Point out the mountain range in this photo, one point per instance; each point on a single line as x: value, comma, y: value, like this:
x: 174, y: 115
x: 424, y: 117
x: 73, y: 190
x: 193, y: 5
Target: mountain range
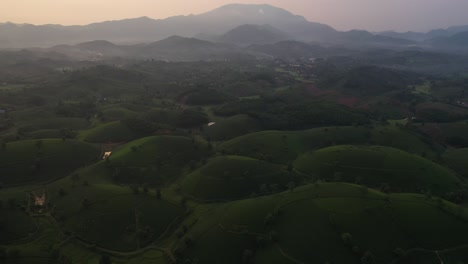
x: 144, y: 29
x: 233, y: 24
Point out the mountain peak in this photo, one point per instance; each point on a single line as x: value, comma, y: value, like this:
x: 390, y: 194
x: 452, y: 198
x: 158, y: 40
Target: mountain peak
x: 261, y: 10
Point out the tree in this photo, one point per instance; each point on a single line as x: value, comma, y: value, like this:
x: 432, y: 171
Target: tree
x: 62, y: 192
x: 273, y: 235
x: 39, y: 144
x: 85, y: 203
x: 105, y: 259
x: 135, y: 189
x: 188, y: 241
x: 158, y: 194
x: 75, y: 177
x: 274, y: 188
x: 12, y: 203
x: 183, y: 201
x: 399, y: 252
x: 3, y: 253
x: 261, y: 241
x: 368, y: 258
x: 247, y: 256
x: 14, y: 253
x: 268, y: 219
x: 347, y: 239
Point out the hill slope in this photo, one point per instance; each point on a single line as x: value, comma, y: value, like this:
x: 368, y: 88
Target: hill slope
x: 43, y: 160
x: 378, y: 166
x: 254, y: 34
x: 334, y: 223
x: 231, y: 177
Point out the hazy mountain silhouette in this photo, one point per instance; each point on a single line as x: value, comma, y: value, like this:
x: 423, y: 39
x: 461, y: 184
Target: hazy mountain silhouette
x: 418, y: 36
x: 290, y: 50
x: 456, y: 41
x: 144, y: 29
x: 364, y: 37
x: 174, y: 48
x: 254, y: 34
x: 240, y: 24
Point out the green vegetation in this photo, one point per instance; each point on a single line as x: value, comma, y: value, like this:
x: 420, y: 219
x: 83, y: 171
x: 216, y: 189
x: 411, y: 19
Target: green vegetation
x: 384, y: 167
x: 15, y: 224
x: 231, y: 127
x: 456, y: 159
x: 423, y: 89
x: 117, y: 113
x: 112, y: 132
x: 35, y: 161
x: 204, y: 97
x: 309, y: 156
x: 113, y: 217
x: 155, y: 160
x: 440, y: 112
x: 231, y: 177
x: 339, y: 221
x: 284, y: 147
x: 370, y: 80
x: 453, y: 134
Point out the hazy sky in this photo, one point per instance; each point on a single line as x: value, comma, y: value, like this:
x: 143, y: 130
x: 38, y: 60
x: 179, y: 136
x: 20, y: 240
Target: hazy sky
x: 401, y: 15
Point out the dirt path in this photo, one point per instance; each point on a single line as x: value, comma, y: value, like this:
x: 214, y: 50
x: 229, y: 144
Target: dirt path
x: 438, y: 256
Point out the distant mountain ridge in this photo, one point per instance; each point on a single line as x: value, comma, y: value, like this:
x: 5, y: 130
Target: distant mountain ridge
x: 240, y: 24
x: 419, y: 36
x: 254, y: 34
x: 174, y: 48
x: 144, y: 29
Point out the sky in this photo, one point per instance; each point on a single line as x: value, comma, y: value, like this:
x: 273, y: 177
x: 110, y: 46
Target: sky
x: 373, y: 15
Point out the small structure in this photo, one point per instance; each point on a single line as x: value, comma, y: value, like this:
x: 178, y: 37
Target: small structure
x: 108, y: 148
x: 37, y: 202
x: 106, y: 154
x: 211, y: 124
x: 40, y: 200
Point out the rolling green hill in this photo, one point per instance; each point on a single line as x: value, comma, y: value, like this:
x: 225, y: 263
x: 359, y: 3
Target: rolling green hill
x: 284, y: 146
x: 117, y: 113
x: 457, y: 159
x: 112, y: 217
x: 154, y: 160
x: 43, y: 160
x: 231, y: 177
x: 231, y: 127
x: 334, y: 223
x: 15, y: 224
x: 111, y: 132
x: 378, y: 166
